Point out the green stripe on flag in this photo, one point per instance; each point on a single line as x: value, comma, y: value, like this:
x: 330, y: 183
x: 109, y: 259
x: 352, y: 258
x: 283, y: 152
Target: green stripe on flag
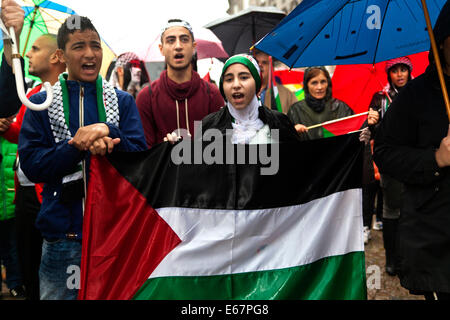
x: 325, y: 279
x: 277, y: 99
x: 327, y: 134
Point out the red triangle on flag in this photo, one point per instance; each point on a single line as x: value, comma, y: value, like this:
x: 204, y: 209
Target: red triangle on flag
x: 207, y: 77
x: 124, y: 238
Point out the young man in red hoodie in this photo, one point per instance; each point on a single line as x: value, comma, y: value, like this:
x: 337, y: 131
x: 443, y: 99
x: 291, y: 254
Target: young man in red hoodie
x: 179, y: 97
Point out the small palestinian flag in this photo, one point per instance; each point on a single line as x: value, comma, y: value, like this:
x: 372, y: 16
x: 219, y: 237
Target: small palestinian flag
x: 343, y: 126
x: 274, y: 95
x: 154, y: 229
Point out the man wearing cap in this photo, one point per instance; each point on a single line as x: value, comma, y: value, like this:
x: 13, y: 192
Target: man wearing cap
x: 179, y: 97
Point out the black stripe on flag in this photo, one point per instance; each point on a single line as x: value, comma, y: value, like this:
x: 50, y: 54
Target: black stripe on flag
x: 307, y: 170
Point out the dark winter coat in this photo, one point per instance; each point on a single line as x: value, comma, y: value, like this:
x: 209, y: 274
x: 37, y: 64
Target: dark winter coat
x: 275, y: 120
x: 301, y: 113
x: 405, y: 145
x: 392, y: 188
x: 9, y: 101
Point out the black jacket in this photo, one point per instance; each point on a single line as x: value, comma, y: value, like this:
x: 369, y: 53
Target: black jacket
x: 301, y: 113
x: 405, y: 144
x: 9, y: 101
x: 275, y: 120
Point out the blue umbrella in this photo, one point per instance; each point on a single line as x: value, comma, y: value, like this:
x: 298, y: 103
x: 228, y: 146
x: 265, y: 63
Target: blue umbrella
x: 323, y: 32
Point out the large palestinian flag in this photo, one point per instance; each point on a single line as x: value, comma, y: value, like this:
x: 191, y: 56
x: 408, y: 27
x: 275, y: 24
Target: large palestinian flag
x: 157, y: 230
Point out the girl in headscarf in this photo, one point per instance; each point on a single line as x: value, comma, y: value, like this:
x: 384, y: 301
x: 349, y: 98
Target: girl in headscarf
x: 243, y: 113
x: 398, y: 72
x: 318, y: 106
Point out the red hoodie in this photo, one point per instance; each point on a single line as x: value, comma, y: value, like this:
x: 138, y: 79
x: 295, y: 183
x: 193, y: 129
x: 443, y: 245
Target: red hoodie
x: 160, y: 114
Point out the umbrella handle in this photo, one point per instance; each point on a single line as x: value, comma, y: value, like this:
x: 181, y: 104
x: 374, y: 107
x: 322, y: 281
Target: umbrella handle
x: 17, y: 67
x: 437, y: 60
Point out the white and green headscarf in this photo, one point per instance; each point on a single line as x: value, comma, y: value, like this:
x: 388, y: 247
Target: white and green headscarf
x: 246, y: 122
x: 247, y: 61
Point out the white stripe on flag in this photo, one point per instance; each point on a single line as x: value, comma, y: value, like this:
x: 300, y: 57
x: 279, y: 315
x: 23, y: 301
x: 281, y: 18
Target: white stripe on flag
x: 217, y: 242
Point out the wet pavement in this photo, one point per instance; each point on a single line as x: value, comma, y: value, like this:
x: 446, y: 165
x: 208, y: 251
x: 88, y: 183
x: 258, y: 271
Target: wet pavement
x: 388, y: 287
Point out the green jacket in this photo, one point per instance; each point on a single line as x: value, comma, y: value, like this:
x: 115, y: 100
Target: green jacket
x: 8, y: 151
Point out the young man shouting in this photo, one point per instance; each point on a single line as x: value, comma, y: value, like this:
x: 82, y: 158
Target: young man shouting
x: 87, y: 116
x: 179, y: 97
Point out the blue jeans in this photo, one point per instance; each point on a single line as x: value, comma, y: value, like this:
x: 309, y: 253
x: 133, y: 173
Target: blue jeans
x: 59, y: 273
x: 8, y: 253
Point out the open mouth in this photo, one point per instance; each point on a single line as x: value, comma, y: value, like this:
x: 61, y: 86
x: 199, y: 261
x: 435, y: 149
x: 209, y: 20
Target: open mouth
x: 89, y: 67
x: 179, y: 56
x: 237, y: 97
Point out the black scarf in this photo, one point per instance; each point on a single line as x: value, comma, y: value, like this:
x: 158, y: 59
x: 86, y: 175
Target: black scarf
x: 318, y: 105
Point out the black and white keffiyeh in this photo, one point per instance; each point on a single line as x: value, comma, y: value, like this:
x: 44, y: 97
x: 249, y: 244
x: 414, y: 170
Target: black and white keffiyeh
x: 56, y: 116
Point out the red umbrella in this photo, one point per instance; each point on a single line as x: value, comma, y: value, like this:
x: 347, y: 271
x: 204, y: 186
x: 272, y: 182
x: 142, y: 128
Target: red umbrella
x: 356, y: 84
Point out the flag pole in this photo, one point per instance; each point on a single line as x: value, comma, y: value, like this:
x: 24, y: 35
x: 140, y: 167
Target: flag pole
x: 436, y: 57
x: 337, y: 120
